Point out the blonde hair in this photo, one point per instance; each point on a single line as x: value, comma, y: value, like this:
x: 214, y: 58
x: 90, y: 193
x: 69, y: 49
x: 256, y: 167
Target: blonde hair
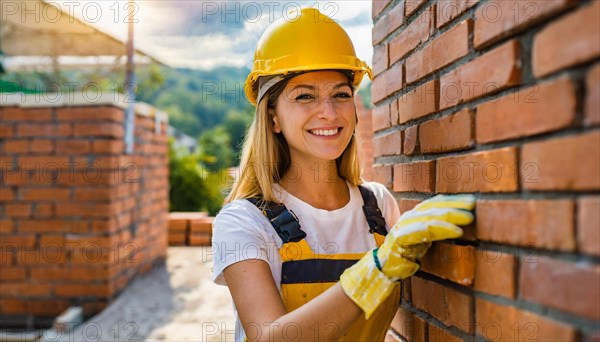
x: 266, y: 155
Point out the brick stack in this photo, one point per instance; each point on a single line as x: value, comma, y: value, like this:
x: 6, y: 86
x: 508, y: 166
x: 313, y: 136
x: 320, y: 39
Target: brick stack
x: 501, y: 99
x: 79, y: 219
x: 190, y: 229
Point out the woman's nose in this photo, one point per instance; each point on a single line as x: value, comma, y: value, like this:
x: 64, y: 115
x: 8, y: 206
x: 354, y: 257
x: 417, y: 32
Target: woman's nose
x: 327, y: 109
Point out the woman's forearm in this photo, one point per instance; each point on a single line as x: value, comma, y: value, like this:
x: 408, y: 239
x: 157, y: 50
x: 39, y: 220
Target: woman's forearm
x: 324, y: 318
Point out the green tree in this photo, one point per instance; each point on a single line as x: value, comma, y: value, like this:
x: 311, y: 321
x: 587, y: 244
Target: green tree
x: 236, y: 124
x: 192, y: 186
x: 215, y: 149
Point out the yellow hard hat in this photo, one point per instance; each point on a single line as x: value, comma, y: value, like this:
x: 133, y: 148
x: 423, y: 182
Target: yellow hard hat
x: 302, y: 40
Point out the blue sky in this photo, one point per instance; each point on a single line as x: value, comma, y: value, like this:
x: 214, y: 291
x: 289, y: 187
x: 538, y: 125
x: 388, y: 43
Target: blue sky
x: 207, y: 34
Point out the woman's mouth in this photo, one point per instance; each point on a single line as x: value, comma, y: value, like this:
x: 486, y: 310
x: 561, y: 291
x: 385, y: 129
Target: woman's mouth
x: 326, y: 133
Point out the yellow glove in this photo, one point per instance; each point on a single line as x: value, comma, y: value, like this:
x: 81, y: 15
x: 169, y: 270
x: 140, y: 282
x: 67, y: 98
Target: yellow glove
x: 371, y: 280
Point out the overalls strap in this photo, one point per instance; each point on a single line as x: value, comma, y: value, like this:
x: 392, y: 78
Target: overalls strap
x: 284, y: 221
x: 372, y: 212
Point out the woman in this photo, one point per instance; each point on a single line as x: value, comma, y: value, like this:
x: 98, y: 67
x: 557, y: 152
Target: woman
x: 299, y: 217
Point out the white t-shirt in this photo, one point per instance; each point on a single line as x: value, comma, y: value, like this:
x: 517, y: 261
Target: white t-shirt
x: 242, y: 232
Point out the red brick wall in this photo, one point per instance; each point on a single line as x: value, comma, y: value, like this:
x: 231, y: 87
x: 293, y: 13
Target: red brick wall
x: 79, y: 219
x: 501, y: 99
x: 364, y: 138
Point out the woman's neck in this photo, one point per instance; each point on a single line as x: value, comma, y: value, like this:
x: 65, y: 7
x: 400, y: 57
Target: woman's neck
x: 317, y: 184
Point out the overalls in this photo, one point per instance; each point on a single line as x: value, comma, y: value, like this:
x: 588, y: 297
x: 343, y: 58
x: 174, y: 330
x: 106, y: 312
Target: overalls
x: 305, y: 274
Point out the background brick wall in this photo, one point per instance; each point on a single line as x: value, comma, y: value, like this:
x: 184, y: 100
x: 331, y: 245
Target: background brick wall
x: 79, y: 219
x: 501, y: 99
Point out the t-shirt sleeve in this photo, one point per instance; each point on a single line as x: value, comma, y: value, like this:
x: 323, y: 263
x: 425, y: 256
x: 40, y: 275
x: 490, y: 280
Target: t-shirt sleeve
x: 238, y: 235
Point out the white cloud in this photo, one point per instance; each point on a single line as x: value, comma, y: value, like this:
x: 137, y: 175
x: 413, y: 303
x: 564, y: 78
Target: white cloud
x: 191, y: 34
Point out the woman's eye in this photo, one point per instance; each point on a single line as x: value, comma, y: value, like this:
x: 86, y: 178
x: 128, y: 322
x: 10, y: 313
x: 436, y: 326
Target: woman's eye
x: 304, y: 97
x: 343, y: 95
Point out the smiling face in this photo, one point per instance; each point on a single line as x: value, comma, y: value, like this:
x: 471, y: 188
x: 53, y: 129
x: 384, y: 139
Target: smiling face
x: 316, y: 115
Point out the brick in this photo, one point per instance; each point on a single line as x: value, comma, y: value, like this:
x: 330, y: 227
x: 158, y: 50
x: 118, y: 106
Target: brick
x: 450, y: 133
x: 90, y: 113
x: 6, y: 194
x: 42, y: 146
x: 13, y: 306
x: 47, y: 307
x: 539, y: 109
x: 79, y: 290
x: 43, y: 162
x: 203, y: 225
x: 421, y: 101
x: 83, y: 209
x: 381, y: 117
x: 178, y: 224
x: 443, y: 50
x: 73, y: 147
x: 394, y: 79
x: 570, y: 163
x: 452, y: 262
x: 418, y: 176
x: 25, y: 289
x: 43, y: 209
x: 380, y: 58
x: 177, y: 239
x: 409, y: 326
x: 16, y: 146
x: 394, y: 18
x: 449, y: 306
x: 411, y: 138
x: 44, y: 194
x: 46, y: 225
x: 95, y: 193
x: 495, y: 273
x: 506, y: 323
x: 103, y: 129
x: 12, y: 274
x: 592, y: 99
x: 405, y: 204
x: 388, y: 23
x: 538, y: 223
x: 18, y: 209
x: 378, y: 6
x: 551, y: 283
x: 387, y: 145
x: 448, y: 10
x: 394, y: 114
x: 497, y: 19
x: 487, y: 171
x: 415, y: 34
x: 107, y: 146
x: 488, y: 73
x: 7, y: 130
x: 44, y: 130
x: 7, y: 226
x: 12, y: 242
x: 27, y: 114
x: 413, y: 5
x: 588, y: 225
x: 200, y: 240
x: 568, y: 41
x: 383, y: 174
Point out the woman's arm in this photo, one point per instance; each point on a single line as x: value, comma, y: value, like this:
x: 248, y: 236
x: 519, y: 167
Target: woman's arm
x: 263, y: 314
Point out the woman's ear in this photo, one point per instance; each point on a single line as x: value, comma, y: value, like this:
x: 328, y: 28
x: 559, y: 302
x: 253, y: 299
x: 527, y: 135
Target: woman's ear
x: 276, y: 127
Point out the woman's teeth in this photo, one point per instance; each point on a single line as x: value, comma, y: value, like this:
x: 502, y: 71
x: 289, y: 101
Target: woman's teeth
x: 325, y: 132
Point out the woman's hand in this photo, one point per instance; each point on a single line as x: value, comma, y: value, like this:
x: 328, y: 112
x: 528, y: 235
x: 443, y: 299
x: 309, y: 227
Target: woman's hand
x: 372, y: 279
